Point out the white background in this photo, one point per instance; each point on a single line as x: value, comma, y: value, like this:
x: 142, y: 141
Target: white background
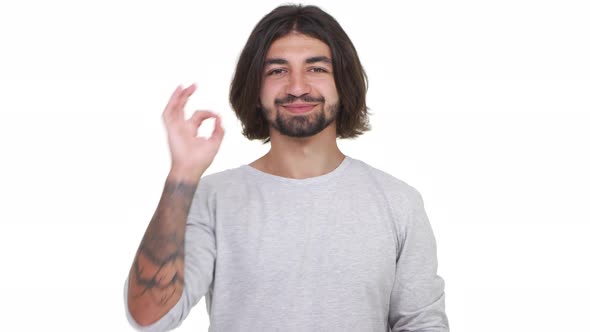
x: 482, y: 106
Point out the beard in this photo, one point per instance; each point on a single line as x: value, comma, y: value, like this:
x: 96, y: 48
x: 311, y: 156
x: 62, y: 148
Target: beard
x: 304, y: 125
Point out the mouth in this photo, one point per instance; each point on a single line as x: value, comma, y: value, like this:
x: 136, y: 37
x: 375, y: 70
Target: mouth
x: 299, y: 108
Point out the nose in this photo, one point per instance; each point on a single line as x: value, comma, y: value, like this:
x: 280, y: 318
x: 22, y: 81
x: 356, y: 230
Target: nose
x: 297, y: 85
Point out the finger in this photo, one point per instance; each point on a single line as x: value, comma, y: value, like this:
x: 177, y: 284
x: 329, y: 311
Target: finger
x: 168, y: 114
x: 218, y: 132
x: 199, y: 116
x: 174, y: 111
x: 182, y: 99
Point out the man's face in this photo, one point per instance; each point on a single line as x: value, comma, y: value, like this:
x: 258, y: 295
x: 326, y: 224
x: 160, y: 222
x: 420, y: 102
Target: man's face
x: 299, y: 96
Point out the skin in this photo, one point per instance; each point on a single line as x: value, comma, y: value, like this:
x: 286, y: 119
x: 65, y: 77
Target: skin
x: 156, y: 278
x: 298, y: 77
x: 299, y: 73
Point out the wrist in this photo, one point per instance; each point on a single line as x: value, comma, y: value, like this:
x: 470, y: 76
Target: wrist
x: 180, y: 174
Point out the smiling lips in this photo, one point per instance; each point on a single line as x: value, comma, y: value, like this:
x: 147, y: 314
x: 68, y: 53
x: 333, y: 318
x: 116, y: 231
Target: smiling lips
x: 299, y: 108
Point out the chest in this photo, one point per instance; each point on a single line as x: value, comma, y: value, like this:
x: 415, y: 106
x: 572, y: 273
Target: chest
x: 305, y: 239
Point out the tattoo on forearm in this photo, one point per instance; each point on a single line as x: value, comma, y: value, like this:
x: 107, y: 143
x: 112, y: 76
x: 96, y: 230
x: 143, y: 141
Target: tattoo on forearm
x: 158, y: 269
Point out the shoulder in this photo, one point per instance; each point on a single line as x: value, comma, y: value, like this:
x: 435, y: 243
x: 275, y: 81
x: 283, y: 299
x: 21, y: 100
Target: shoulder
x: 394, y: 188
x: 221, y: 180
x: 403, y: 201
x: 212, y: 185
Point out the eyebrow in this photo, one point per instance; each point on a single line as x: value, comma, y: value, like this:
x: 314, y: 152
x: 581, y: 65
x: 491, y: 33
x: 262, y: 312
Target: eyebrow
x: 314, y: 59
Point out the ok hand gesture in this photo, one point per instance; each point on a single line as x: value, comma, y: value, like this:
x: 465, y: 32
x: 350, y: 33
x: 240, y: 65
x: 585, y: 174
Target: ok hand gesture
x: 191, y: 155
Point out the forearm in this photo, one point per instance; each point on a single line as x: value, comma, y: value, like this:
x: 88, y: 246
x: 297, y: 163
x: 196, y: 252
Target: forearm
x: 156, y: 279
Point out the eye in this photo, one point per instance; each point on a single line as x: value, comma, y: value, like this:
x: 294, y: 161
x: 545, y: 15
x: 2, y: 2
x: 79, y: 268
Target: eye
x: 318, y: 70
x: 276, y: 71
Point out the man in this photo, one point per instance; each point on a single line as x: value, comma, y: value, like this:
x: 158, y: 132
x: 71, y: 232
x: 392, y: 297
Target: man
x: 304, y: 238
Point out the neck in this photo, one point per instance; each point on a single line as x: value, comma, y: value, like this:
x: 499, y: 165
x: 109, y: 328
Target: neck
x: 300, y: 158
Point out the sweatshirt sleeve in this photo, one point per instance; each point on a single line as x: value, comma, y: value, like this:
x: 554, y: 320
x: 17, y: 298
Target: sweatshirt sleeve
x: 199, y: 262
x: 417, y: 302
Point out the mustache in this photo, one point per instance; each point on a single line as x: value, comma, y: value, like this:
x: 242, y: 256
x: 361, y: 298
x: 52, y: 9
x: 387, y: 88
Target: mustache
x: 289, y: 99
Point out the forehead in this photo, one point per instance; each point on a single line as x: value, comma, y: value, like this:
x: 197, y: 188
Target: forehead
x: 297, y: 45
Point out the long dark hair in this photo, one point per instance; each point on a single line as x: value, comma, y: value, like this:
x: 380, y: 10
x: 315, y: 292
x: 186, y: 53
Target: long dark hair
x: 349, y: 75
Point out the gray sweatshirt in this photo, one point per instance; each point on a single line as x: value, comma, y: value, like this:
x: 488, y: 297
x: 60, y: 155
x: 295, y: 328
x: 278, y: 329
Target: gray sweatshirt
x: 350, y: 250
